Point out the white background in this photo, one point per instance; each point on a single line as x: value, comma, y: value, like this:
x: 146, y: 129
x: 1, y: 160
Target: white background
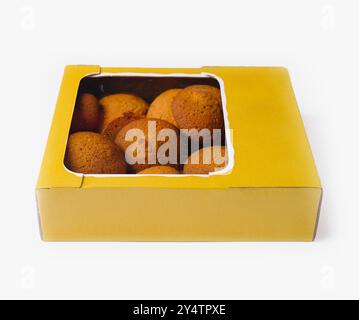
x: 316, y: 40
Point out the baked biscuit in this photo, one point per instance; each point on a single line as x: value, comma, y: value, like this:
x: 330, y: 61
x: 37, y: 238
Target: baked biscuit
x: 160, y: 170
x: 153, y: 150
x: 87, y: 114
x: 114, y: 127
x: 207, y: 160
x: 91, y: 153
x: 198, y: 107
x: 117, y: 105
x: 161, y: 107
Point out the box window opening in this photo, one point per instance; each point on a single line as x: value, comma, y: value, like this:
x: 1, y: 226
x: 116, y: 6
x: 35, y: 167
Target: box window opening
x: 149, y: 125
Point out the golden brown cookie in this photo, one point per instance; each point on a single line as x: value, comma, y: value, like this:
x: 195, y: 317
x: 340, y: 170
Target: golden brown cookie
x: 113, y: 128
x: 91, y: 153
x: 161, y: 107
x: 198, y: 107
x: 87, y: 114
x: 115, y: 106
x: 145, y: 139
x: 160, y: 170
x: 207, y: 160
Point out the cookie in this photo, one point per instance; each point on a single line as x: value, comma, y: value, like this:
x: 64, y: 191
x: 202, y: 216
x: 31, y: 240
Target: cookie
x: 91, y: 153
x: 161, y: 107
x: 114, y: 127
x: 160, y: 170
x: 117, y: 105
x: 207, y: 160
x: 198, y: 107
x: 87, y: 114
x: 153, y: 151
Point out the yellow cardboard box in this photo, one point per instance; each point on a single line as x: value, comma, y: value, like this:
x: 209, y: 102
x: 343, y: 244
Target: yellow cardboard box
x: 271, y: 191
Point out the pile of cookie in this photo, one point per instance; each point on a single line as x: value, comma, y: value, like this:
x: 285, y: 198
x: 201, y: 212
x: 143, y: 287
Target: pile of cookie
x: 98, y: 138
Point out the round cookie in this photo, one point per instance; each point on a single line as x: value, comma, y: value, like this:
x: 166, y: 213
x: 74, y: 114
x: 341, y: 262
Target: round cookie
x: 116, y: 105
x: 153, y: 151
x: 161, y: 107
x: 159, y: 170
x: 198, y: 107
x: 114, y: 127
x: 207, y: 160
x: 87, y: 114
x: 90, y: 153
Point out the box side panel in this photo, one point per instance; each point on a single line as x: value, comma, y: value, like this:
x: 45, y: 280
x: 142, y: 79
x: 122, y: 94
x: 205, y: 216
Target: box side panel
x: 245, y: 214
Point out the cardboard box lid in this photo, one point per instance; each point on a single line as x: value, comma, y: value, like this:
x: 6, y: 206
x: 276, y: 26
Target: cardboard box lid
x: 271, y: 148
